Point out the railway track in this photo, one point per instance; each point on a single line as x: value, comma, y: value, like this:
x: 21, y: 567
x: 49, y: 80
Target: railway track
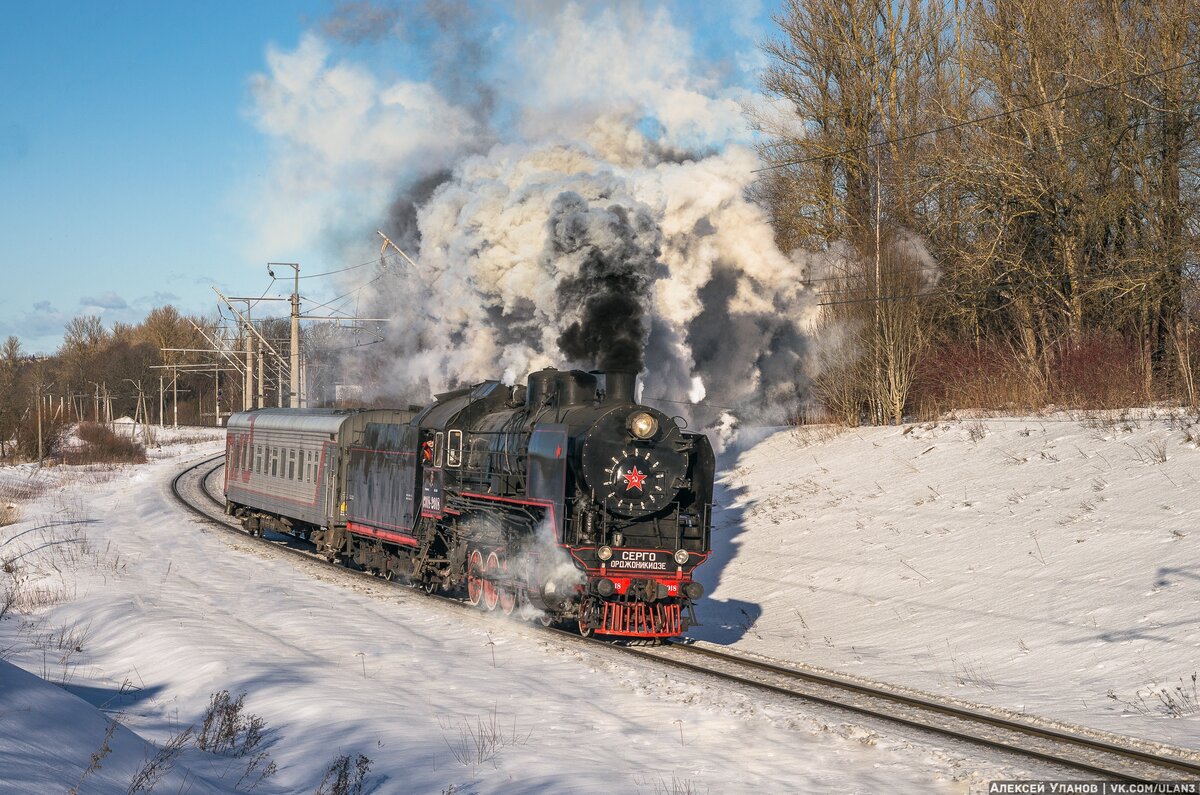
x: 1099, y: 757
x: 1075, y: 749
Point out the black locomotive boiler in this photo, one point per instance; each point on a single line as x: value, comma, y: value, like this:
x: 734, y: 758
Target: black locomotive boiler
x: 563, y: 497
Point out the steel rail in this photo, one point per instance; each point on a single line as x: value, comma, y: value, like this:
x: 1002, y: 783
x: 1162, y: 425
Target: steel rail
x: 843, y: 694
x: 177, y: 493
x: 1131, y: 764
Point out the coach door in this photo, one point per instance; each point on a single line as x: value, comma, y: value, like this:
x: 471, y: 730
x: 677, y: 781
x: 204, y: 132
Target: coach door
x: 332, y: 508
x: 547, y: 476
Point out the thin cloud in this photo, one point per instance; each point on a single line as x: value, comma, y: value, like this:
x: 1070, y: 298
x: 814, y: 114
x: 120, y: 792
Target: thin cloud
x: 106, y: 300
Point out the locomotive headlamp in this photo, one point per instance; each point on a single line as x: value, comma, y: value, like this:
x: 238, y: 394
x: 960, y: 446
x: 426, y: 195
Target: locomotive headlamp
x: 681, y: 556
x: 643, y: 425
x: 604, y: 553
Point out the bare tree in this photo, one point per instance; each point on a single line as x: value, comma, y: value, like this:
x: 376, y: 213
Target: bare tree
x: 1046, y: 154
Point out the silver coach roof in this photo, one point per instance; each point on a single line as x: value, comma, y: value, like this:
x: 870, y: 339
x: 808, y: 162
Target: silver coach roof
x: 303, y: 420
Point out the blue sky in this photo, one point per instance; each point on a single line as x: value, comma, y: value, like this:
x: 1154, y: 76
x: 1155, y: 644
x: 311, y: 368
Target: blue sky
x: 129, y: 155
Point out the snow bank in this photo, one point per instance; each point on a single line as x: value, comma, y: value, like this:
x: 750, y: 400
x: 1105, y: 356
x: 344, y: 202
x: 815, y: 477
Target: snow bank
x: 62, y: 742
x: 1045, y: 565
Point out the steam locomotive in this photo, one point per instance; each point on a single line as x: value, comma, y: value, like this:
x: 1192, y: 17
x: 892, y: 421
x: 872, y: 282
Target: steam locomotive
x: 562, y: 498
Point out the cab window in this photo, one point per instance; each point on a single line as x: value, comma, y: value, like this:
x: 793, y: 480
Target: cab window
x: 438, y: 444
x: 454, y: 449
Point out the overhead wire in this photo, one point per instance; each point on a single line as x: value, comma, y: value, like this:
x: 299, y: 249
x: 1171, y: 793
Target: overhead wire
x: 341, y: 270
x: 258, y: 300
x: 1087, y: 281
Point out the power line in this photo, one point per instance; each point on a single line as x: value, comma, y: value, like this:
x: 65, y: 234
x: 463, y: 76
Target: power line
x: 976, y: 120
x: 342, y: 270
x: 258, y: 300
x: 345, y: 295
x: 849, y: 276
x: 351, y: 267
x: 1082, y: 282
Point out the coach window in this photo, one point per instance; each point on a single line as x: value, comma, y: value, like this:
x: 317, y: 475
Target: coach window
x: 454, y: 449
x: 439, y: 439
x: 274, y: 462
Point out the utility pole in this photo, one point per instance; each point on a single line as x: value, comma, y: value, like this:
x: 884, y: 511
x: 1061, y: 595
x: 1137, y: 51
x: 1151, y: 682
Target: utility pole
x: 42, y: 389
x: 262, y: 341
x: 296, y: 364
x: 39, y: 424
x: 248, y: 381
x: 294, y: 353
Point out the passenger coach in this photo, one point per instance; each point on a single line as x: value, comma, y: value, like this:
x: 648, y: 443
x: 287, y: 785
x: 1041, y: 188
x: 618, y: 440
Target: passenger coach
x: 286, y: 468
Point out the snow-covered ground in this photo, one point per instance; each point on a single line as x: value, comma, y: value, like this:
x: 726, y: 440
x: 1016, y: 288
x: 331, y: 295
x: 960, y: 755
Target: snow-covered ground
x: 1032, y: 564
x: 1044, y: 565
x: 128, y: 609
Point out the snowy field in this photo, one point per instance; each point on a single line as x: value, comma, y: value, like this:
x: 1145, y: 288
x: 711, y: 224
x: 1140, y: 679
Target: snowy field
x: 129, y: 610
x: 1044, y: 565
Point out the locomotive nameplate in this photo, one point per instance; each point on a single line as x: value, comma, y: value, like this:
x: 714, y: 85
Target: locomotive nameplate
x: 641, y: 560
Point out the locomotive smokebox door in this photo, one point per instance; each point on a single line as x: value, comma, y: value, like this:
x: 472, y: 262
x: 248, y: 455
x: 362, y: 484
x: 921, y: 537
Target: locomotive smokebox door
x: 547, y: 475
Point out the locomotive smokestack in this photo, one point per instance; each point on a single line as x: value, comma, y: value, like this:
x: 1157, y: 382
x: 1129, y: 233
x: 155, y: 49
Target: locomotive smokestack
x: 619, y: 386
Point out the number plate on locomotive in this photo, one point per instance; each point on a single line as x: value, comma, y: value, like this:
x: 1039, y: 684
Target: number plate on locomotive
x: 641, y: 560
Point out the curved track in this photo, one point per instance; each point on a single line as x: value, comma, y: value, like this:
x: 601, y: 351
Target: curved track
x: 1078, y: 749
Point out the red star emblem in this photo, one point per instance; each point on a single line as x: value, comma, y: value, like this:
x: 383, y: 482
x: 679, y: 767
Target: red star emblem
x: 634, y: 480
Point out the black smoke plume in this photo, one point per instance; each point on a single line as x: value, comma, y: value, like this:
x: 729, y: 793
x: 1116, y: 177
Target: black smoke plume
x: 616, y: 249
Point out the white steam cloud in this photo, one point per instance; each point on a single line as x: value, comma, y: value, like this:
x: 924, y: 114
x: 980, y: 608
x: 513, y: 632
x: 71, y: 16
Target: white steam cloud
x: 596, y: 208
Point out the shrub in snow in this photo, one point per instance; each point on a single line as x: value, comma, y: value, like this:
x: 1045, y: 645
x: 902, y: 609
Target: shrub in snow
x: 227, y: 729
x: 340, y: 779
x: 103, y: 446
